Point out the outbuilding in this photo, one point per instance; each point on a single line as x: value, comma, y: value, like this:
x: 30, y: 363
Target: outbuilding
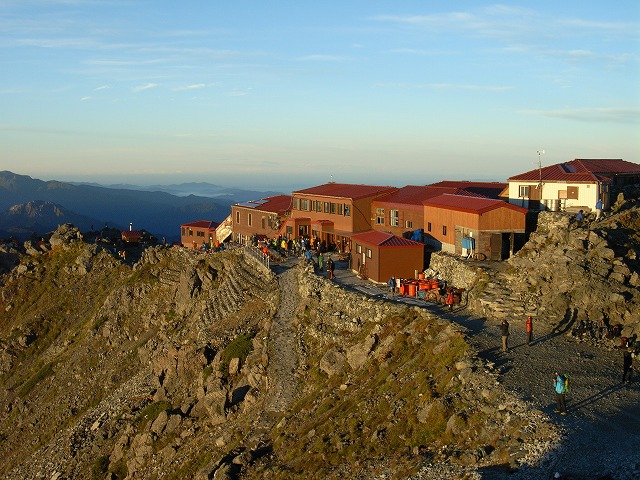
x: 380, y: 255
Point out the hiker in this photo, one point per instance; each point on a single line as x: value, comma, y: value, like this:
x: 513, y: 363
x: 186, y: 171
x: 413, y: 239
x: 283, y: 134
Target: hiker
x: 627, y: 365
x: 504, y: 329
x: 450, y: 299
x: 598, y: 209
x: 561, y: 385
x: 392, y: 286
x: 320, y: 261
x: 529, y: 329
x: 330, y: 267
x: 579, y: 217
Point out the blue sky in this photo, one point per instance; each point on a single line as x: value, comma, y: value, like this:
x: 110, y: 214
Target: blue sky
x: 287, y: 95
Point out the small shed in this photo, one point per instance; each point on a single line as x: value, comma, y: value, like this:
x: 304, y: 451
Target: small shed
x: 380, y: 255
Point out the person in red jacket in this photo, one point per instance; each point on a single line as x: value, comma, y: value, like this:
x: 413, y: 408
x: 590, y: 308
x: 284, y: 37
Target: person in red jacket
x: 529, y: 328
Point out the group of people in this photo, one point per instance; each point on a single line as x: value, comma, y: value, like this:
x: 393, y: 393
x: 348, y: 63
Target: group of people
x: 599, y: 215
x: 561, y: 381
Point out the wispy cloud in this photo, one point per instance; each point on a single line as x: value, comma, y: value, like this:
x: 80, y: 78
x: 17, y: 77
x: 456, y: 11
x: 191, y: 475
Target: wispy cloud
x: 194, y: 86
x: 606, y: 115
x: 84, y: 99
x: 102, y: 87
x: 146, y: 86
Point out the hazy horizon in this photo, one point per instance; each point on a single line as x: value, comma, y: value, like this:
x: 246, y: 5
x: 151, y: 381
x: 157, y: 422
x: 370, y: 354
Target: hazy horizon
x: 287, y: 94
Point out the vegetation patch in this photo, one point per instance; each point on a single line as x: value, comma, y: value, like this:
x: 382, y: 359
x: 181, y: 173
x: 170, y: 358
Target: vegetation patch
x: 40, y: 375
x: 238, y: 348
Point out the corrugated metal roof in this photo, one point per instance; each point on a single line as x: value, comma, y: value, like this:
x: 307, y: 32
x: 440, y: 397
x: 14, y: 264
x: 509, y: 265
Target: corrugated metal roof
x: 274, y: 204
x: 470, y: 204
x: 384, y: 239
x: 579, y: 170
x: 416, y: 194
x: 202, y: 224
x: 486, y: 189
x: 345, y: 190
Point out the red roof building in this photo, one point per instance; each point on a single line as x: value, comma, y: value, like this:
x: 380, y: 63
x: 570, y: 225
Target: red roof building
x: 573, y: 185
x: 332, y: 212
x: 497, y: 190
x: 463, y: 225
x: 198, y: 235
x: 402, y: 212
x: 259, y: 217
x: 379, y: 256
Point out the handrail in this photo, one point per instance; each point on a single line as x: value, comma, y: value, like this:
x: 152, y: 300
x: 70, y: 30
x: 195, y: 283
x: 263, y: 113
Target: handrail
x: 256, y: 253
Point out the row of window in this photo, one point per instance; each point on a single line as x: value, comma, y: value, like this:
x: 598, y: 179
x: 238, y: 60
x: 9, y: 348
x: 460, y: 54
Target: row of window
x: 271, y: 221
x: 394, y: 220
x: 188, y: 232
x: 307, y: 205
x: 368, y: 251
x: 571, y: 193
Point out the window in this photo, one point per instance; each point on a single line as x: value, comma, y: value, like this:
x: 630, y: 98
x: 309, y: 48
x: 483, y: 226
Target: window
x: 318, y: 206
x: 347, y: 210
x: 393, y: 220
x: 184, y: 231
x: 523, y: 191
x: 332, y: 208
x: 190, y: 233
x: 358, y: 248
x: 368, y: 253
x: 428, y: 226
x: 200, y: 234
x: 444, y: 230
x: 408, y: 224
x: 340, y: 209
x: 304, y: 204
x: 263, y: 223
x: 326, y: 207
x: 296, y: 203
x: 380, y: 216
x: 237, y: 217
x: 249, y: 220
x: 289, y: 231
x: 572, y: 193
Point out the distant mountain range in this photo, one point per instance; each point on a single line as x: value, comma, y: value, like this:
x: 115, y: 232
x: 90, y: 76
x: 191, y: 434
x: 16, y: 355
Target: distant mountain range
x: 39, y: 206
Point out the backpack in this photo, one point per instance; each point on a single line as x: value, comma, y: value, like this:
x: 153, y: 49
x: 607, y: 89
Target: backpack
x: 565, y: 378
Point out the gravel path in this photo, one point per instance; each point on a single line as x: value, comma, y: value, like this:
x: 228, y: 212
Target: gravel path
x: 282, y: 353
x: 602, y: 428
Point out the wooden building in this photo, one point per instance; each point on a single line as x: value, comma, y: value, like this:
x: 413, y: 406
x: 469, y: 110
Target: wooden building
x: 463, y: 225
x: 380, y: 255
x: 402, y: 212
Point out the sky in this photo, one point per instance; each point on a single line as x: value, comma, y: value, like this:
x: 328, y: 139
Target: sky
x: 291, y: 94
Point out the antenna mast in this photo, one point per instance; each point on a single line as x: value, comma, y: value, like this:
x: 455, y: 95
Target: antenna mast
x: 540, y: 153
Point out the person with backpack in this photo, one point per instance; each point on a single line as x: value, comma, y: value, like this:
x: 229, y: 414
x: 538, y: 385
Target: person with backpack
x: 561, y: 385
x: 504, y: 330
x: 627, y: 365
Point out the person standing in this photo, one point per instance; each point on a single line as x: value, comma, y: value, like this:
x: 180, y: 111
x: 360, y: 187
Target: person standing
x: 561, y: 386
x: 504, y: 328
x: 450, y: 299
x: 392, y: 286
x: 529, y: 329
x: 627, y: 365
x: 320, y: 261
x: 598, y: 209
x: 330, y: 267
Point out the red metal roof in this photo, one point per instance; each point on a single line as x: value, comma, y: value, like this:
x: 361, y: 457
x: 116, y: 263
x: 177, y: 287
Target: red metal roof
x: 580, y: 170
x: 384, y: 239
x: 470, y: 204
x: 486, y: 189
x: 345, y: 190
x: 276, y: 204
x: 416, y: 194
x: 202, y: 224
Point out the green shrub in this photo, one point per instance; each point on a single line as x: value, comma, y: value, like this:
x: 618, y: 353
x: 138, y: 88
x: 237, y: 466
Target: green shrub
x: 238, y: 348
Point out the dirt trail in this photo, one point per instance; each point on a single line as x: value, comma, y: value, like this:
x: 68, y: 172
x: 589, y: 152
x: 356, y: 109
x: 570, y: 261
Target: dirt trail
x: 602, y: 428
x: 282, y: 354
